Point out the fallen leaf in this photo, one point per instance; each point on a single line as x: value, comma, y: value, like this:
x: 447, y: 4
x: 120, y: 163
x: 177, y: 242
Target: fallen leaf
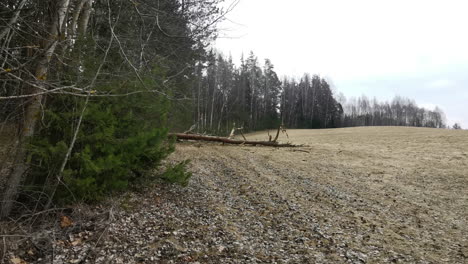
x: 16, y: 260
x: 157, y: 200
x: 76, y: 242
x: 221, y: 249
x: 187, y: 259
x: 65, y: 221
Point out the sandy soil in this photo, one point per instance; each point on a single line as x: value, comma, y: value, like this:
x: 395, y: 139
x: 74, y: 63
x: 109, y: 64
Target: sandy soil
x: 358, y: 194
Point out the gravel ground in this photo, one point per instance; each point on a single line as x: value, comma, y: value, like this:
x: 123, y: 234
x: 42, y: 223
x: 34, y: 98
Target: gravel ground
x: 356, y: 195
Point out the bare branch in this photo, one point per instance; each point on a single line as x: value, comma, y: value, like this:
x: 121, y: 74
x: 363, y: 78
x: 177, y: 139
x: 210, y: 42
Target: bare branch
x: 12, y: 20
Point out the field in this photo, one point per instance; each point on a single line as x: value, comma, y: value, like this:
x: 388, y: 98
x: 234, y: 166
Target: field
x: 353, y: 195
x: 378, y: 194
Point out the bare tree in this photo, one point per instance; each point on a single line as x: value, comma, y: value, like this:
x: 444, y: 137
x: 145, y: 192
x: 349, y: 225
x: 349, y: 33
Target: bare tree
x: 456, y: 126
x: 400, y: 112
x: 33, y: 108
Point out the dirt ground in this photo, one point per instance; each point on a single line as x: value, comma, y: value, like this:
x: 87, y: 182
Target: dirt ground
x: 353, y: 195
x: 379, y: 194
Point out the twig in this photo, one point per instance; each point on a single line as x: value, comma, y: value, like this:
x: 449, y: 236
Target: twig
x: 106, y: 229
x: 4, y: 250
x: 12, y: 20
x: 300, y: 150
x: 42, y: 212
x: 14, y: 236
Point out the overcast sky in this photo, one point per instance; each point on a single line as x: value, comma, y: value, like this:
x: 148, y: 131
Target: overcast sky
x: 381, y: 48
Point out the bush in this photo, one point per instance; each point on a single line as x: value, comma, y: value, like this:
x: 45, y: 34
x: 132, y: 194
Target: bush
x: 178, y: 173
x: 120, y: 140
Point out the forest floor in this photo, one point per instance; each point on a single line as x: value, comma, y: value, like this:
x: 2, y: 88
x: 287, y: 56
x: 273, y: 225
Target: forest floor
x: 353, y: 195
x: 6, y: 145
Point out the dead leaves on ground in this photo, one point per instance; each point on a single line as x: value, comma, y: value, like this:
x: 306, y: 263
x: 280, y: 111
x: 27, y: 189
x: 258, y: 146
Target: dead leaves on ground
x: 65, y: 221
x: 17, y: 260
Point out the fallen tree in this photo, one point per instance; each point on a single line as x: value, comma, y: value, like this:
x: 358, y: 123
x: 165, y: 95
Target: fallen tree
x: 181, y: 136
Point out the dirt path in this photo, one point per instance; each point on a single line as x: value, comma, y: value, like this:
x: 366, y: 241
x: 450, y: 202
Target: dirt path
x: 358, y: 195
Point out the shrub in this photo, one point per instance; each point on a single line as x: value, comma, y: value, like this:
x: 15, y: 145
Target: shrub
x: 178, y: 173
x: 120, y: 140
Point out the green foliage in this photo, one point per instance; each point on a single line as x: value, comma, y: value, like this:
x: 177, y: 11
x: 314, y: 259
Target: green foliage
x: 120, y: 140
x: 178, y: 173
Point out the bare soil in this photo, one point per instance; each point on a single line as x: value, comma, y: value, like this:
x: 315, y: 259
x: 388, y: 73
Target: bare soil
x: 354, y: 195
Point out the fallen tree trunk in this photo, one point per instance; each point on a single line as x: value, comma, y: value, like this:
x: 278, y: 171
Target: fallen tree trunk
x: 182, y: 136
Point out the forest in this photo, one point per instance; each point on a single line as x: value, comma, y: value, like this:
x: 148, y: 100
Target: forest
x: 254, y: 97
x: 90, y: 89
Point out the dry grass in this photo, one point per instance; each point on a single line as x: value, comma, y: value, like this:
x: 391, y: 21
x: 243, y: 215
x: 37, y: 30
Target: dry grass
x: 391, y: 193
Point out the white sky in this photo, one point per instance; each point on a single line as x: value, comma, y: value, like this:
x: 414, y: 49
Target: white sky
x: 382, y: 48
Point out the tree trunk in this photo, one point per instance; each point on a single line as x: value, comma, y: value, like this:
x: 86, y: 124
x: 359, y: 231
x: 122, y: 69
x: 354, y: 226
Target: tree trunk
x: 33, y: 109
x: 84, y: 18
x: 72, y: 29
x: 181, y: 136
x: 212, y: 106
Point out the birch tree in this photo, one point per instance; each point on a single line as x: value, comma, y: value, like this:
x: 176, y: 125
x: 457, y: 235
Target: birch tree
x: 33, y: 107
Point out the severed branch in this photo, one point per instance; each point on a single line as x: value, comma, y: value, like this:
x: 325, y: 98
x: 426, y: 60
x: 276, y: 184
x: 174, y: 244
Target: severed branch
x: 233, y: 132
x: 181, y: 136
x: 191, y: 129
x: 281, y: 128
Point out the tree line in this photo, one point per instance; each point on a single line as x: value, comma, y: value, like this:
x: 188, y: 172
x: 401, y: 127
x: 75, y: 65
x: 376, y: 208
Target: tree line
x: 252, y: 96
x: 400, y: 111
